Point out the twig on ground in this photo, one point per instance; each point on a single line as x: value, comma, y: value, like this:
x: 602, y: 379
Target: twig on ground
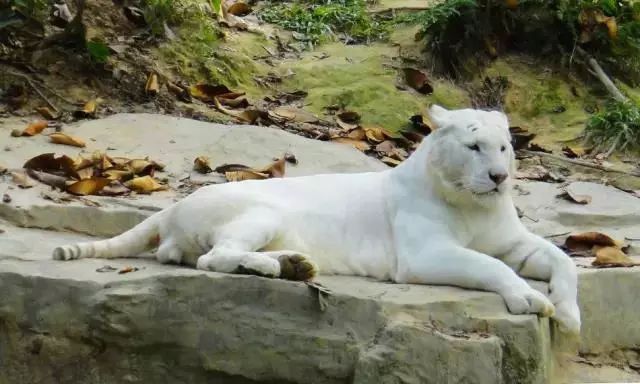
x: 580, y: 162
x: 27, y: 79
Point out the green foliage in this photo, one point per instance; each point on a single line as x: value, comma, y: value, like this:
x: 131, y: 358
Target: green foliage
x: 157, y: 13
x: 615, y: 128
x: 324, y: 20
x: 98, y: 51
x: 35, y: 9
x: 465, y: 33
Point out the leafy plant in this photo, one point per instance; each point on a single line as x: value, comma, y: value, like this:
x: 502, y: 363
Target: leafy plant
x: 615, y: 128
x: 324, y: 20
x: 464, y: 33
x: 98, y: 51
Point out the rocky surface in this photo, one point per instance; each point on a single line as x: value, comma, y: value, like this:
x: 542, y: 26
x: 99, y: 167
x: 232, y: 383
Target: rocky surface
x: 73, y: 322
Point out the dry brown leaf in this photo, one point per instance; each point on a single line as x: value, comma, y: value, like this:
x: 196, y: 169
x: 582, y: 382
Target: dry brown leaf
x: 128, y: 270
x: 611, y: 257
x: 46, y: 113
x: 208, y: 92
x: 21, y: 180
x: 86, y: 173
x: 357, y: 144
x: 114, y: 189
x: 224, y: 168
x: 612, y: 28
x: 63, y: 138
x: 239, y: 9
x: 117, y: 174
x: 88, y: 186
x: 201, y: 165
x: 418, y: 80
x: 391, y: 162
x: 578, y: 199
x: 88, y: 110
x: 357, y: 134
x: 35, y: 128
x: 145, y: 184
x: 376, y: 135
x: 587, y: 240
x: 141, y: 167
x: 249, y: 115
x: 152, y: 87
x: 245, y: 175
x: 82, y: 162
x: 275, y: 169
x: 50, y: 163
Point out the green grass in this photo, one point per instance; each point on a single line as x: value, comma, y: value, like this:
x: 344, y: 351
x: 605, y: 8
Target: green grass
x: 325, y: 20
x: 617, y: 127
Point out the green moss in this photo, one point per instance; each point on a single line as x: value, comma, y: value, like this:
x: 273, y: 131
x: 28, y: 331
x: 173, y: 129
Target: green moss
x: 201, y: 54
x: 534, y: 98
x: 356, y: 78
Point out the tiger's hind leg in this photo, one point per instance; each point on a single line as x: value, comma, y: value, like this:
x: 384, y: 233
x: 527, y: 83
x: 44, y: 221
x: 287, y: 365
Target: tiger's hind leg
x: 237, y: 246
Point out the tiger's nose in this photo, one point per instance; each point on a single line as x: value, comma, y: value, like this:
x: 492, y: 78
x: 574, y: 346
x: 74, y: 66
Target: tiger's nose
x: 498, y: 177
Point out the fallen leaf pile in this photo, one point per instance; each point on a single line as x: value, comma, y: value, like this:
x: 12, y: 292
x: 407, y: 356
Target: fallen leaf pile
x: 239, y: 172
x: 608, y: 252
x: 391, y: 149
x: 92, y: 174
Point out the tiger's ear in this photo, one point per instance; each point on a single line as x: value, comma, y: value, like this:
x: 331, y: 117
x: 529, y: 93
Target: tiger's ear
x: 502, y: 118
x: 439, y: 116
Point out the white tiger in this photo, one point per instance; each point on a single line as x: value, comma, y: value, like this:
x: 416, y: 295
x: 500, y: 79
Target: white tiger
x: 444, y: 216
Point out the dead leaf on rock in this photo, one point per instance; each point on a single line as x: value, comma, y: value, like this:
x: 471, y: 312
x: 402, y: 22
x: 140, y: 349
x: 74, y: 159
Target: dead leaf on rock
x: 385, y: 147
x: 128, y: 270
x: 235, y: 103
x: 86, y: 173
x: 356, y: 134
x: 114, y: 189
x: 141, y: 167
x: 578, y: 199
x: 321, y: 292
x: 145, y: 184
x: 248, y: 174
x: 357, y: 144
x: 377, y: 135
x: 152, y: 87
x: 88, y: 111
x: 21, y: 180
x: 611, y: 257
x: 63, y: 138
x: 201, y: 165
x: 48, y: 162
x: 249, y: 115
x: 88, y: 186
x: 31, y: 130
x: 390, y: 161
x: 231, y: 168
x: 117, y: 174
x: 587, y: 240
x: 418, y: 80
x: 275, y: 169
x: 344, y: 125
x: 208, y: 92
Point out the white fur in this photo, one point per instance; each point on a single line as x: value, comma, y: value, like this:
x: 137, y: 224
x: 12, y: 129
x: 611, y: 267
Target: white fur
x: 438, y: 218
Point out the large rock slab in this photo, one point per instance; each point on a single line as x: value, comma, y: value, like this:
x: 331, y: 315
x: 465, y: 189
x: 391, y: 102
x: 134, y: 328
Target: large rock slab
x: 67, y: 322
